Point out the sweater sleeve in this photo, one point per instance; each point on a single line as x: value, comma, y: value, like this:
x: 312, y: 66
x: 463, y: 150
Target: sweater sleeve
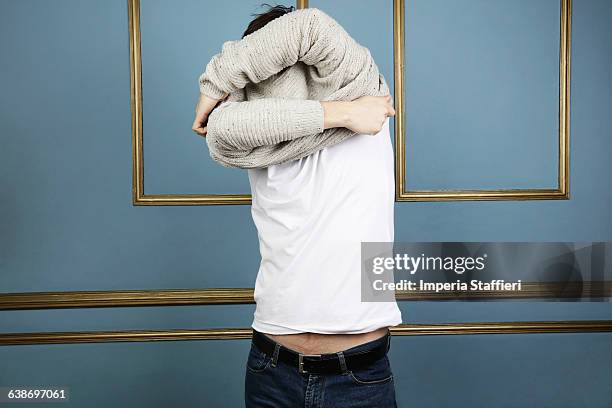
x: 307, y: 35
x: 243, y: 125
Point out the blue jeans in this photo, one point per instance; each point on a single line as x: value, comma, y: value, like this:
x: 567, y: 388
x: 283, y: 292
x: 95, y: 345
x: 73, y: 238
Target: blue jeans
x: 275, y: 384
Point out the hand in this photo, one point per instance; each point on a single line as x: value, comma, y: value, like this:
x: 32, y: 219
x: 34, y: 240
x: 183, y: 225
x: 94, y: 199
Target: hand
x: 368, y: 114
x: 205, y: 105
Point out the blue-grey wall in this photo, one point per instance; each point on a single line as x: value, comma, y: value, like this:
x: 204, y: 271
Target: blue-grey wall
x: 67, y: 222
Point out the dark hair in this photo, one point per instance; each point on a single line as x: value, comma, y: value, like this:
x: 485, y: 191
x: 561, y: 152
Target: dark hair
x: 261, y: 19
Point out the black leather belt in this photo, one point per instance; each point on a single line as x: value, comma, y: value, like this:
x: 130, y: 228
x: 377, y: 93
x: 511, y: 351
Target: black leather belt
x: 320, y: 363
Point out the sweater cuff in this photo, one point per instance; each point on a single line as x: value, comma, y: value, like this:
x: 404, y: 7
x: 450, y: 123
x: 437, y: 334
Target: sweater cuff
x: 309, y: 116
x: 209, y: 89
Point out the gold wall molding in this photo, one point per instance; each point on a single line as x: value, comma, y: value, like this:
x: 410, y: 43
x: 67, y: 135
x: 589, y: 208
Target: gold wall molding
x: 562, y: 190
x: 139, y: 197
x: 530, y: 290
x: 124, y: 298
x: 581, y: 326
x: 220, y: 296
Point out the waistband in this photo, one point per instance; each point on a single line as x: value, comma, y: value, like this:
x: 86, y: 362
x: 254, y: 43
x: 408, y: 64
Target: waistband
x: 326, y: 363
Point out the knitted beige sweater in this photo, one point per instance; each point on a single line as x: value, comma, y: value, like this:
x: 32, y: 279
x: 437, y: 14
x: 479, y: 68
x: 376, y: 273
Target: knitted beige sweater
x: 271, y: 117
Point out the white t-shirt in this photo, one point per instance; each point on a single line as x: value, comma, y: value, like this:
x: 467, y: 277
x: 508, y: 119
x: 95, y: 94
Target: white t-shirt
x: 311, y: 216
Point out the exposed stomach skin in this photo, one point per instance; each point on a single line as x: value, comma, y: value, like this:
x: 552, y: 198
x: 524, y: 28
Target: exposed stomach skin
x: 316, y: 343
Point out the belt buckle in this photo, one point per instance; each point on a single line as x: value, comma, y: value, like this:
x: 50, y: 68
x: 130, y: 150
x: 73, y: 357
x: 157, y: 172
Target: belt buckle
x: 301, y: 361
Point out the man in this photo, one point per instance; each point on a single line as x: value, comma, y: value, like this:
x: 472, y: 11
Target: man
x: 321, y: 176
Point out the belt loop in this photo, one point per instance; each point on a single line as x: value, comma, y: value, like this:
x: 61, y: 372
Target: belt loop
x: 342, y: 361
x: 275, y: 354
x: 388, y: 341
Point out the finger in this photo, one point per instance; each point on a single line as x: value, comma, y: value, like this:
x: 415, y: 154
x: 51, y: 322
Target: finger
x: 200, y: 130
x: 197, y: 123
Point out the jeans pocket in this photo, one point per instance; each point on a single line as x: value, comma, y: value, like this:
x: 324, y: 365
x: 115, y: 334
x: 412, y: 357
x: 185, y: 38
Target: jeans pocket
x: 378, y: 372
x: 257, y: 361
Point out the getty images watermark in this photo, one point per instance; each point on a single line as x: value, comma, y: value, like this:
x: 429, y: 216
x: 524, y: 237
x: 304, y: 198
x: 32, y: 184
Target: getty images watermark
x: 457, y: 264
x: 462, y: 267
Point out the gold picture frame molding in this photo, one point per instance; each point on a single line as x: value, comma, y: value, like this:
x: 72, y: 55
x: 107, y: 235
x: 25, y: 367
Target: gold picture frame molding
x: 139, y: 197
x: 234, y: 296
x: 569, y: 326
x: 562, y: 190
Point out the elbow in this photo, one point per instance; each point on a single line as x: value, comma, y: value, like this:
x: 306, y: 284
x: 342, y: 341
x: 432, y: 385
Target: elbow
x: 218, y: 134
x: 223, y: 138
x: 314, y: 12
x: 312, y: 17
x: 217, y: 150
x: 319, y: 18
x: 217, y: 140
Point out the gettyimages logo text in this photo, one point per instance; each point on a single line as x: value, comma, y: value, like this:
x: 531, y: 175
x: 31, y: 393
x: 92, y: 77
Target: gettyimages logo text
x: 413, y: 264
